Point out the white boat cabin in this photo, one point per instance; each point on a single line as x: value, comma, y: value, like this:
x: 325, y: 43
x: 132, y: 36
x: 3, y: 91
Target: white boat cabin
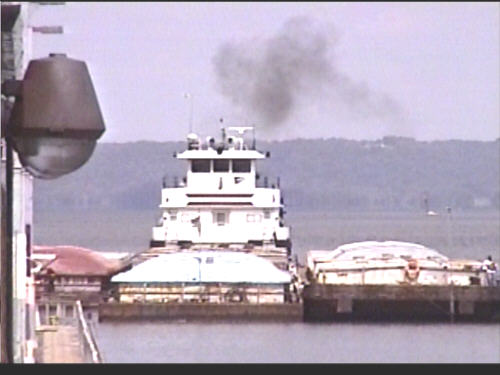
x: 218, y: 201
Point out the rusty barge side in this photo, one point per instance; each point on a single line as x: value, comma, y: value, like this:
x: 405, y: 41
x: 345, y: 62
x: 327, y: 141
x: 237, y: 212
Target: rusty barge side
x: 327, y: 302
x: 276, y: 312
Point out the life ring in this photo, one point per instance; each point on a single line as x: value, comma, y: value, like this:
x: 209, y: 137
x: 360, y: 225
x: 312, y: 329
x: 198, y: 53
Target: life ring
x: 412, y: 270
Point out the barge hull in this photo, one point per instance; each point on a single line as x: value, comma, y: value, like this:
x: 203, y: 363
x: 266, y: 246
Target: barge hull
x: 282, y: 312
x: 323, y: 302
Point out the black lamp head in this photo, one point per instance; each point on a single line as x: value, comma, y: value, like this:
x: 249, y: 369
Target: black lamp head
x: 56, y: 120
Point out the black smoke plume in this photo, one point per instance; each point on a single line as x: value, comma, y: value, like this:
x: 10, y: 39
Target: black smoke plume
x: 269, y: 79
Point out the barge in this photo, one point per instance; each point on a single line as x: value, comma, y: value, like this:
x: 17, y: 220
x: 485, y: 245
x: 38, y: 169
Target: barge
x: 395, y: 280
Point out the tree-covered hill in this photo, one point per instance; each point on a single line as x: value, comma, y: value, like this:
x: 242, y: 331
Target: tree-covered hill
x: 332, y: 174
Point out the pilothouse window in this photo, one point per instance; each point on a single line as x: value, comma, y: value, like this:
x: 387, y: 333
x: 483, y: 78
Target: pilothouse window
x: 221, y: 165
x: 220, y: 218
x: 241, y: 166
x: 200, y: 165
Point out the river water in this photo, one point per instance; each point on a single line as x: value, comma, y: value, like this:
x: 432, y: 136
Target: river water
x: 470, y: 236
x: 153, y: 342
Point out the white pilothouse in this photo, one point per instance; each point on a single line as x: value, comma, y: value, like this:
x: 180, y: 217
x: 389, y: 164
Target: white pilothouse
x: 218, y: 203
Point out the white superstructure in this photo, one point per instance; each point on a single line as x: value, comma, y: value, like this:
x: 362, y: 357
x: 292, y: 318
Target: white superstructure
x: 219, y: 204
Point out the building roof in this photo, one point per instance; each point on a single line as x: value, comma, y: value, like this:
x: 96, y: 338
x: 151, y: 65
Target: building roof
x: 75, y: 261
x: 205, y: 266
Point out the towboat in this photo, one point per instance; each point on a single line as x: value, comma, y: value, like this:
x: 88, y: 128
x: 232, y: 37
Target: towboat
x: 221, y: 203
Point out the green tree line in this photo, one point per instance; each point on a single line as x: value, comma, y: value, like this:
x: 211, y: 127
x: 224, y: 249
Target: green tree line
x: 393, y: 173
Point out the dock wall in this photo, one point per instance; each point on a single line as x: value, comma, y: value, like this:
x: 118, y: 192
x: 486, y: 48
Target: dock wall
x: 280, y: 312
x: 329, y: 302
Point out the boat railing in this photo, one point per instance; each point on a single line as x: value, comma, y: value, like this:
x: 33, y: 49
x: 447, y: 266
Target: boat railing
x: 264, y: 182
x: 174, y: 182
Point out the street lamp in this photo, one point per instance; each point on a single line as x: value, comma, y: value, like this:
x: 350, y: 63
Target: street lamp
x: 56, y: 120
x: 53, y: 125
x: 52, y: 119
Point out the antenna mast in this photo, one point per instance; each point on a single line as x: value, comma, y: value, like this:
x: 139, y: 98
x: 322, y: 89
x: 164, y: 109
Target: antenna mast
x: 190, y: 97
x: 223, y: 130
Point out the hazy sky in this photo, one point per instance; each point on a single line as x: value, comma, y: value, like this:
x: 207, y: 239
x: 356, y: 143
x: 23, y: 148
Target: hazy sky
x: 310, y: 70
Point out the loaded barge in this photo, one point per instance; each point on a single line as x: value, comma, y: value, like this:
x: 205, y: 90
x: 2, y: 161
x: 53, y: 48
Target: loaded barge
x: 366, y: 281
x: 398, y: 281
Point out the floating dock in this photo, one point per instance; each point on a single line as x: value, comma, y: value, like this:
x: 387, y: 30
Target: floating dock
x: 329, y: 302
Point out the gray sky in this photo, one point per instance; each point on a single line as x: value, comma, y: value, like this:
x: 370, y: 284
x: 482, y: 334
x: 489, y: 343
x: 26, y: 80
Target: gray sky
x: 425, y: 70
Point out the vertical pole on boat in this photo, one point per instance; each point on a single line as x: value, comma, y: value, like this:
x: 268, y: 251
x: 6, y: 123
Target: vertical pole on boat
x: 221, y: 120
x: 452, y: 304
x: 448, y: 228
x: 253, y: 134
x: 199, y: 277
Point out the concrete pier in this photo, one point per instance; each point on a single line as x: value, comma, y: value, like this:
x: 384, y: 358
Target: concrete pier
x: 329, y: 302
x: 59, y: 344
x: 284, y: 312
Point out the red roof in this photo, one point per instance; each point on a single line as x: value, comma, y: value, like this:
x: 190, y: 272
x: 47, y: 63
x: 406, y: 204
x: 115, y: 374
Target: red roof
x: 72, y: 260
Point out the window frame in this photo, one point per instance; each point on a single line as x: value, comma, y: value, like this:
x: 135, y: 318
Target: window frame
x: 237, y: 162
x: 216, y: 218
x: 224, y: 170
x: 207, y: 162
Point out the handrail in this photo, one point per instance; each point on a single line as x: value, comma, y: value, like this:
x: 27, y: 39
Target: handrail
x: 89, y: 341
